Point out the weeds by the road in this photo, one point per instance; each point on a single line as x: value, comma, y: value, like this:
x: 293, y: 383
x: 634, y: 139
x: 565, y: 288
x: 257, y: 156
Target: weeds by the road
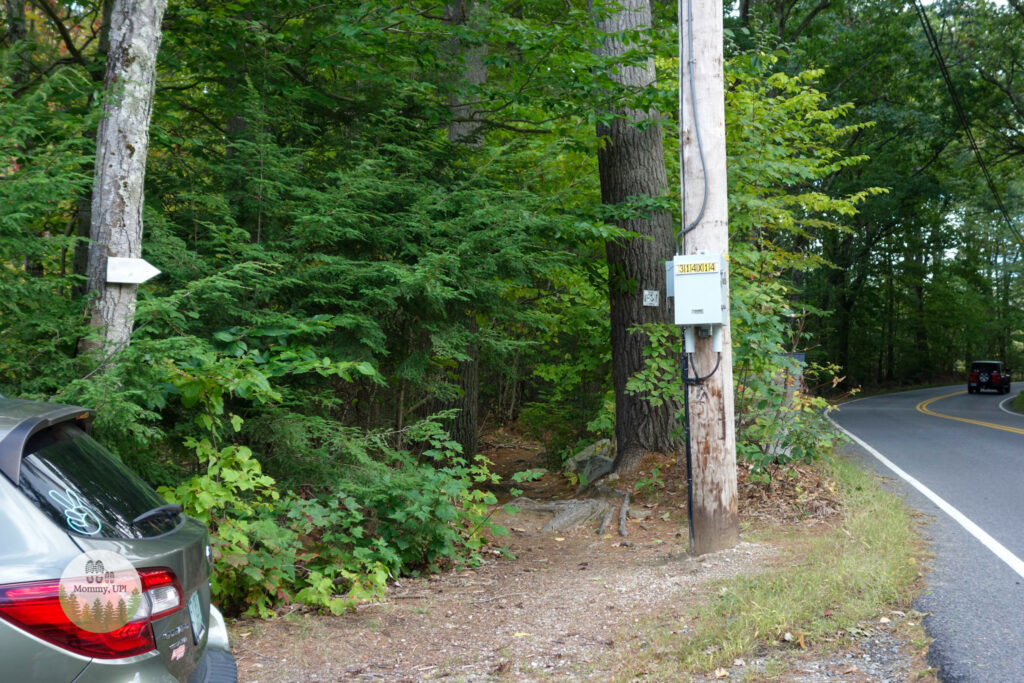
x: 821, y: 595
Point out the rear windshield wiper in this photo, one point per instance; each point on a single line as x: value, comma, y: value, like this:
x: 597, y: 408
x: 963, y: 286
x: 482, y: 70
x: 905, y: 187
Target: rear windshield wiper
x: 170, y: 510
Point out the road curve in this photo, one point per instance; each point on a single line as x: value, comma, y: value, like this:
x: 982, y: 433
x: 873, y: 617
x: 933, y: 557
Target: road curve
x: 958, y: 458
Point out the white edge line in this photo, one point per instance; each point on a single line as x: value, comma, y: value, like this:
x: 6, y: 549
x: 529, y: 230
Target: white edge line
x: 992, y: 544
x: 1002, y: 406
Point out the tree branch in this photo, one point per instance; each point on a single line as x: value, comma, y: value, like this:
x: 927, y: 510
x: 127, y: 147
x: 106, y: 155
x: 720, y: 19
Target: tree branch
x: 1019, y: 6
x: 823, y: 5
x: 65, y: 35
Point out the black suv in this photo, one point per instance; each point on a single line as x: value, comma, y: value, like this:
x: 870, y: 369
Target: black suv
x: 988, y: 374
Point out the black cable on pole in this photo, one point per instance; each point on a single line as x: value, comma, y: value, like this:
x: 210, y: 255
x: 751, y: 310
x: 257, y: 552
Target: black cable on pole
x: 933, y: 43
x: 697, y: 378
x: 690, y: 64
x: 686, y: 437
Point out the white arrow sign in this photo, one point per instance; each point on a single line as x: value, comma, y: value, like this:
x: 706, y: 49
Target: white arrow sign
x: 129, y: 271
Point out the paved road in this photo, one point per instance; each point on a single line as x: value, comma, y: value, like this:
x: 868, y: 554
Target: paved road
x: 966, y: 457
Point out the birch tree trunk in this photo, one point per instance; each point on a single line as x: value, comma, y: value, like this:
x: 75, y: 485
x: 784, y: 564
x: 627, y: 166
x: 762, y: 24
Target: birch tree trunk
x: 122, y: 142
x: 632, y: 164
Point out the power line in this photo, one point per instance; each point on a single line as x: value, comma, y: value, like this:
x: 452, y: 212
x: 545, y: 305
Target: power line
x: 933, y: 42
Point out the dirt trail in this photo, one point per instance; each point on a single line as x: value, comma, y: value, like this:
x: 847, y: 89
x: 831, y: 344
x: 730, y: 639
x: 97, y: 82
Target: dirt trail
x: 572, y: 605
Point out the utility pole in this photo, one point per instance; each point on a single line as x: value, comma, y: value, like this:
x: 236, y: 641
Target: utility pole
x: 714, y: 519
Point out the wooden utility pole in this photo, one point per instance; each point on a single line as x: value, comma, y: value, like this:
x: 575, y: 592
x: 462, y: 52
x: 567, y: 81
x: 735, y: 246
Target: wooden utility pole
x: 715, y: 520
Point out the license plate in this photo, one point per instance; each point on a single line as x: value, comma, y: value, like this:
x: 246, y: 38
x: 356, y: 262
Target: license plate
x: 195, y: 614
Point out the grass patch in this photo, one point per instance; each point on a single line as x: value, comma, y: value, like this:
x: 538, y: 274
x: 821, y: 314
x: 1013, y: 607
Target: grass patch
x: 1018, y: 403
x: 827, y: 583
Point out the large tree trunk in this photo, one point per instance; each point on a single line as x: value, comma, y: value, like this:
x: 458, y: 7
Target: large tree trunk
x: 466, y: 129
x: 122, y: 143
x: 14, y: 14
x: 632, y: 164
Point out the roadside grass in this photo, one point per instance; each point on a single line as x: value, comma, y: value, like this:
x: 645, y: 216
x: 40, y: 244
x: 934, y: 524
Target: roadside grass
x: 1018, y: 403
x: 827, y: 587
x: 867, y: 391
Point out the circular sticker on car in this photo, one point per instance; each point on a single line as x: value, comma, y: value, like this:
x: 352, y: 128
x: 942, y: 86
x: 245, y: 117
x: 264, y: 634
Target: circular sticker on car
x: 100, y: 591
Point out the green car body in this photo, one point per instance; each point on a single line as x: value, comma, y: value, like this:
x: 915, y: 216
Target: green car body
x: 63, y: 495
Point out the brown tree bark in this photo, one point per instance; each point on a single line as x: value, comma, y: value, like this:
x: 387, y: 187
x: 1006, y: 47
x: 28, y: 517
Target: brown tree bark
x: 465, y: 126
x: 466, y: 129
x: 122, y: 143
x: 14, y: 16
x: 632, y: 164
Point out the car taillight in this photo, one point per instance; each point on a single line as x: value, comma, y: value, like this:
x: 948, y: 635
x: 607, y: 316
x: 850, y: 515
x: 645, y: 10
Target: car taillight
x: 974, y: 376
x: 995, y: 376
x: 35, y: 607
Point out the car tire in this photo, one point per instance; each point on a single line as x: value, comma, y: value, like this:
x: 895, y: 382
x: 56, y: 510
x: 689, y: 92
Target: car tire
x: 216, y: 666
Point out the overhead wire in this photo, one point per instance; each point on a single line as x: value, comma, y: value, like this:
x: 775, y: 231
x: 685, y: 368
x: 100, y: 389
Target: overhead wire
x: 933, y: 43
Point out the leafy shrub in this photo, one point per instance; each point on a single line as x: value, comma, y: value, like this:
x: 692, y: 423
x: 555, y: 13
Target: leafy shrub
x: 386, y: 512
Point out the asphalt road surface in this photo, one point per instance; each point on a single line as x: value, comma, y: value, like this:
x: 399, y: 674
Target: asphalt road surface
x: 959, y: 459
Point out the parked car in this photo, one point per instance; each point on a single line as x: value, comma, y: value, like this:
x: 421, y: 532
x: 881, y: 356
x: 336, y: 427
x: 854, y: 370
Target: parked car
x: 988, y: 374
x: 65, y: 499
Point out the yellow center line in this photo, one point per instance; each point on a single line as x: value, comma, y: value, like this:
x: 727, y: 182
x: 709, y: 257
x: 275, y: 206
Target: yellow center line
x: 922, y: 407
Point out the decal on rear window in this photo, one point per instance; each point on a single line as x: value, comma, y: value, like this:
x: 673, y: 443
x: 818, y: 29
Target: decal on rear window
x: 79, y: 517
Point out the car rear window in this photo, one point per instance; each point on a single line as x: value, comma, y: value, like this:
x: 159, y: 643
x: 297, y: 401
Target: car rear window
x: 85, y: 489
x: 984, y: 367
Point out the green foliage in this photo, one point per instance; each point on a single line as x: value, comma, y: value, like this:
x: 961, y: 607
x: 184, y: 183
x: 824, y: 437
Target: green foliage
x: 45, y: 157
x: 784, y: 139
x: 392, y: 513
x: 659, y: 381
x: 649, y: 482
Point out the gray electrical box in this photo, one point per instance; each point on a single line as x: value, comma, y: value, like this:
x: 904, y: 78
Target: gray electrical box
x: 698, y: 285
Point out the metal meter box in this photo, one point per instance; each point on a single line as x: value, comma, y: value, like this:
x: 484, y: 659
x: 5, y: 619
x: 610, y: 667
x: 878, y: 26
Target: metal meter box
x: 698, y: 287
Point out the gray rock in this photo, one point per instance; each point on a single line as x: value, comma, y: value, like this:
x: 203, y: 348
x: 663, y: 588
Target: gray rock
x: 594, y: 468
x: 601, y: 448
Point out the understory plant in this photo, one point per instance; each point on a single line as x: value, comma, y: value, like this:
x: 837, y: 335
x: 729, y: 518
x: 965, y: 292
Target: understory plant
x: 385, y: 512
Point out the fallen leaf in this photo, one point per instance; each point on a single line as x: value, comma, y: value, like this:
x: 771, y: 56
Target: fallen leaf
x: 721, y: 673
x: 800, y: 640
x: 788, y: 637
x: 559, y: 538
x: 885, y: 620
x: 850, y: 670
x: 522, y: 635
x: 739, y: 662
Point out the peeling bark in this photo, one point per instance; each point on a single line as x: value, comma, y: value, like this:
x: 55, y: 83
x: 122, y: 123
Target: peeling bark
x: 122, y: 142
